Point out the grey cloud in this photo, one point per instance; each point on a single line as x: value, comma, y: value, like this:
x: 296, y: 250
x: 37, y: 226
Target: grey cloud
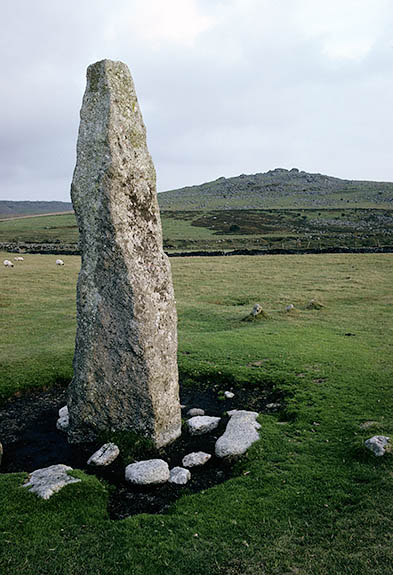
x: 254, y: 92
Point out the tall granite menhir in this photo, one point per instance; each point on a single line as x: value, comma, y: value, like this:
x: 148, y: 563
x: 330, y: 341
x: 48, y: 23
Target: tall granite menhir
x: 125, y: 365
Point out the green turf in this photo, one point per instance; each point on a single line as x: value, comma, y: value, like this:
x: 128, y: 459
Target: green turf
x: 308, y: 499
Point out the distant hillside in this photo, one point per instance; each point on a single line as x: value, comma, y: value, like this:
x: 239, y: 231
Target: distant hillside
x: 10, y: 209
x: 279, y: 188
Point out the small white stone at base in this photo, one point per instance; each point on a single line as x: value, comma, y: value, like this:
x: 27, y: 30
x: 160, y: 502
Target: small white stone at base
x: 195, y: 411
x: 148, y: 472
x: 105, y: 455
x: 202, y: 424
x: 179, y: 476
x: 196, y: 458
x: 241, y: 432
x: 63, y: 423
x: 63, y: 411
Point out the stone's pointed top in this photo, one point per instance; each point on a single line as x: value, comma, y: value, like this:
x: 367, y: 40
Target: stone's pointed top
x: 108, y: 64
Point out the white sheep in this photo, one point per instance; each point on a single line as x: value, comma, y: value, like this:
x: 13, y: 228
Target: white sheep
x: 59, y: 263
x: 8, y: 264
x: 19, y: 259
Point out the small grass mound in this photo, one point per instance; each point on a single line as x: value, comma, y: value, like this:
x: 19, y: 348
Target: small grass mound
x: 314, y: 304
x: 257, y: 313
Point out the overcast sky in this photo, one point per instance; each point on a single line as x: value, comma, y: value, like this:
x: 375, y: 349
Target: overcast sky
x: 225, y: 86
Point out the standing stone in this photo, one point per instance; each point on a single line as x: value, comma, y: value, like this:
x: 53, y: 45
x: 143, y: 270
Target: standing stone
x: 125, y: 366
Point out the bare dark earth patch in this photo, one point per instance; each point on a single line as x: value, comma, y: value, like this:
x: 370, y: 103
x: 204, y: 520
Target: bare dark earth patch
x: 32, y: 441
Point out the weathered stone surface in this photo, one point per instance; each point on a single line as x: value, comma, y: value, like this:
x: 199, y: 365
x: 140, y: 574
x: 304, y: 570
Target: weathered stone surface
x: 149, y: 472
x: 229, y: 394
x: 179, y: 475
x: 377, y: 444
x: 196, y: 458
x: 105, y: 455
x: 125, y: 365
x: 240, y: 433
x: 195, y: 411
x: 201, y: 424
x: 49, y: 480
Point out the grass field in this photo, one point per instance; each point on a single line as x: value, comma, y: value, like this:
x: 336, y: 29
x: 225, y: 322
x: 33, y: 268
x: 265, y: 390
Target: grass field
x: 307, y: 500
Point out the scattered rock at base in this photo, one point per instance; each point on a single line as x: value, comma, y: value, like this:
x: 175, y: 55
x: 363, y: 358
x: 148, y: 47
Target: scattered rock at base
x: 63, y: 411
x: 195, y: 411
x: 179, y: 476
x: 314, y: 304
x: 257, y: 312
x: 195, y: 459
x: 148, y: 472
x: 49, y: 480
x: 229, y: 394
x: 241, y: 432
x: 63, y: 422
x: 378, y: 444
x: 105, y: 455
x: 202, y: 424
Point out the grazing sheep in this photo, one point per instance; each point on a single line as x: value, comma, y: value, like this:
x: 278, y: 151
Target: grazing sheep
x: 8, y: 264
x: 59, y: 263
x: 19, y: 259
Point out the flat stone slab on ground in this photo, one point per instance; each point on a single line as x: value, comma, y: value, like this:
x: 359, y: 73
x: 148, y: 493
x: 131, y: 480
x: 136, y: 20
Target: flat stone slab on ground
x: 49, y: 480
x: 377, y: 444
x: 179, y: 476
x: 105, y: 455
x: 148, y: 472
x: 196, y: 458
x: 241, y: 432
x: 202, y: 424
x: 229, y: 394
